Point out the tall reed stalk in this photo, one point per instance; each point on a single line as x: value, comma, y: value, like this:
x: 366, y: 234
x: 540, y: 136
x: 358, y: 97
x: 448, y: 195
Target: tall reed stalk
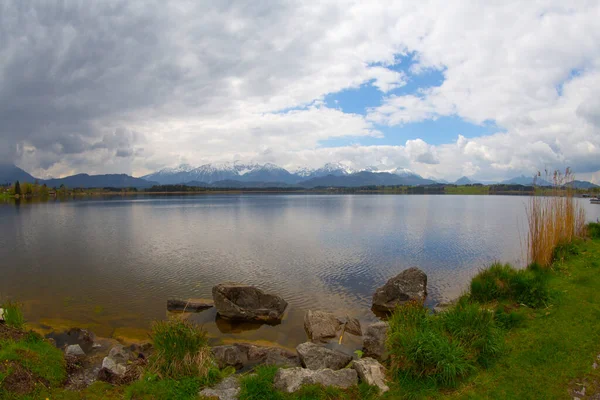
x: 554, y: 217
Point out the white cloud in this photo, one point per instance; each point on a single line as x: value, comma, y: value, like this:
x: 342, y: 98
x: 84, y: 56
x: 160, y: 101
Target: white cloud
x: 197, y: 82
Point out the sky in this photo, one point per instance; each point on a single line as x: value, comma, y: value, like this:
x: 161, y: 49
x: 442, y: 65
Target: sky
x: 484, y: 89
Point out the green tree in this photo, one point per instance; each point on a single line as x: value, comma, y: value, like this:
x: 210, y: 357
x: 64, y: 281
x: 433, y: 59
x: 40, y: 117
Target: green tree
x: 17, y: 189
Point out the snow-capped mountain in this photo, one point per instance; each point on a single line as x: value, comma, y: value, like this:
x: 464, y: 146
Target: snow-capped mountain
x: 254, y: 172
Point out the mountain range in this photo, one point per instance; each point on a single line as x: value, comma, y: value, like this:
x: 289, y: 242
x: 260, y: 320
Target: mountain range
x: 255, y: 175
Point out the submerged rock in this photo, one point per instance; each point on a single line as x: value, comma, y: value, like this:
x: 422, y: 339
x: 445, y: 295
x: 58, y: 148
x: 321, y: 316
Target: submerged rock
x: 374, y: 340
x: 191, y: 305
x: 244, y: 302
x: 409, y: 285
x: 227, y: 389
x: 320, y: 325
x: 313, y: 356
x: 292, y: 379
x: 371, y: 372
x: 240, y: 355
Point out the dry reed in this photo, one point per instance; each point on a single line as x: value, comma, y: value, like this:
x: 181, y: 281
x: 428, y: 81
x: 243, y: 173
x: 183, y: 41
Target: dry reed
x: 554, y: 217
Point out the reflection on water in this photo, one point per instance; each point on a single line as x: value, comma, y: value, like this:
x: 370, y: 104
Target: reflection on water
x: 113, y: 263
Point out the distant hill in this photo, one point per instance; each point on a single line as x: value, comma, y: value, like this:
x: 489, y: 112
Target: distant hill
x: 99, y: 181
x: 10, y: 173
x: 526, y: 181
x: 365, y: 178
x: 463, y: 181
x: 582, y: 185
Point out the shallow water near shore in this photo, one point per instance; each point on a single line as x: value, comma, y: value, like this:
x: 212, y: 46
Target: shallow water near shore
x: 111, y: 264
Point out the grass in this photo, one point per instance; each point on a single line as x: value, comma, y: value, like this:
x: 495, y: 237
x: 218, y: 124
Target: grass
x: 429, y: 352
x: 504, y: 283
x: 554, y: 218
x: 181, y: 350
x: 13, y: 316
x: 28, y: 365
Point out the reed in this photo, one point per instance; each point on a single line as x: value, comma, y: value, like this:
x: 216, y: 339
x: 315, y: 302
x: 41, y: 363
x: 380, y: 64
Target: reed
x: 554, y: 217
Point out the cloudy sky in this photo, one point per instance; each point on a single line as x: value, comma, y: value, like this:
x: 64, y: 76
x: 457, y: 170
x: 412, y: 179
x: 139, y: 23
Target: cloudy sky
x: 486, y: 89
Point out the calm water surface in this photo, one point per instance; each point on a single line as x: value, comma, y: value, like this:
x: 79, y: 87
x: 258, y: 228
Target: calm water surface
x: 112, y: 264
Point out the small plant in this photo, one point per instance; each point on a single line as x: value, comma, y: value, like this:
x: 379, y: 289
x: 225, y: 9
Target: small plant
x: 181, y: 350
x: 13, y: 316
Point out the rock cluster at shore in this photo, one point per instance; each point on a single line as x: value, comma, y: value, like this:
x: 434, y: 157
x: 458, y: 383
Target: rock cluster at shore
x: 317, y: 361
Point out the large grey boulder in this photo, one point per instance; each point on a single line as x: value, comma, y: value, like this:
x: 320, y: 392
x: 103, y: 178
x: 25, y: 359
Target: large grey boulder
x: 227, y: 389
x: 374, y: 340
x: 313, y: 356
x: 371, y: 372
x: 409, y: 285
x: 240, y: 355
x: 292, y: 379
x: 320, y: 325
x: 244, y: 302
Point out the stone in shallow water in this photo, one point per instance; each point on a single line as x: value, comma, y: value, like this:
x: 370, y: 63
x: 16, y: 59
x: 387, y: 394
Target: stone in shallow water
x: 317, y: 357
x: 409, y: 285
x: 245, y: 302
x: 320, y: 325
x: 292, y: 379
x: 191, y: 305
x: 353, y: 326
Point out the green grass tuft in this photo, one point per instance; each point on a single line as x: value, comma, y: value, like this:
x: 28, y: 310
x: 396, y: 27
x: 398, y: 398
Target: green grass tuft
x: 181, y: 350
x: 593, y: 230
x: 259, y: 386
x: 504, y: 283
x: 13, y: 316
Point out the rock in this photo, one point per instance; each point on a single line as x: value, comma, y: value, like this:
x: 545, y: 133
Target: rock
x: 374, y: 340
x: 240, y: 355
x: 290, y: 380
x: 320, y: 325
x: 409, y: 285
x: 235, y: 355
x: 313, y: 356
x: 244, y: 302
x: 74, y: 350
x: 111, y: 366
x: 121, y: 355
x: 116, y: 361
x: 227, y: 389
x: 353, y: 326
x: 191, y: 305
x: 1, y: 315
x: 371, y: 372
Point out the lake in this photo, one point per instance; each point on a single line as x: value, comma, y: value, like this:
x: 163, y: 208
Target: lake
x: 111, y: 264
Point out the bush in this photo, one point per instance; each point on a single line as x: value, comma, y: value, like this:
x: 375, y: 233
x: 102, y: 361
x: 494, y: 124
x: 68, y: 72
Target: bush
x: 564, y: 251
x: 13, y: 316
x: 502, y: 282
x: 181, y: 350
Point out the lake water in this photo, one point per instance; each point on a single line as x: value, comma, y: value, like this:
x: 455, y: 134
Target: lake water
x: 112, y: 264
